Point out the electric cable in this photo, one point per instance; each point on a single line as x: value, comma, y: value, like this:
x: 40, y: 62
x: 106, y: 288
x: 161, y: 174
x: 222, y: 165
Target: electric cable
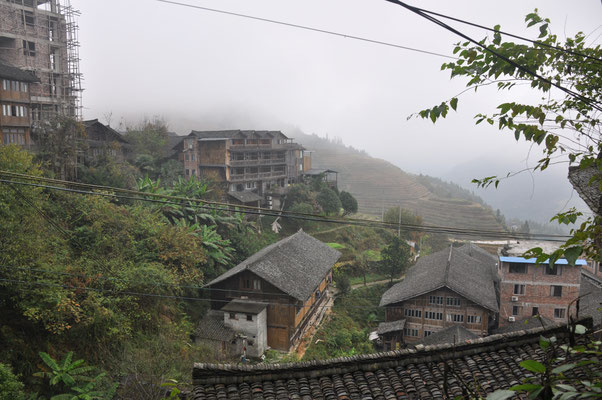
x: 524, y: 69
x: 297, y: 26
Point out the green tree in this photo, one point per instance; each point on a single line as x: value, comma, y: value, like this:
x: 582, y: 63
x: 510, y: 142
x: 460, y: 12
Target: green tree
x: 395, y: 258
x: 298, y: 194
x: 149, y: 137
x: 10, y: 387
x: 564, y: 122
x: 60, y: 141
x: 392, y: 215
x: 295, y: 224
x: 329, y: 201
x: 348, y: 202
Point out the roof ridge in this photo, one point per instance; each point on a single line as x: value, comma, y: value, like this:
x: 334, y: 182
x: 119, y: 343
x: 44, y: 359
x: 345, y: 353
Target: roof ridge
x: 205, y: 373
x: 447, y: 267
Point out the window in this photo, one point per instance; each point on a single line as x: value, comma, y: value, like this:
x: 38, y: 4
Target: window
x: 519, y: 289
x: 186, y: 157
x: 249, y: 317
x: 410, y: 332
x: 250, y: 185
x: 455, y: 317
x: 14, y: 135
x: 232, y: 315
x: 516, y: 268
x: 408, y: 312
x: 453, y: 301
x: 535, y: 311
x: 473, y: 319
x: 559, y: 312
x: 436, y: 299
x: 246, y: 283
x: 191, y: 156
x: 193, y: 172
x: 428, y: 333
x: 555, y: 270
x: 433, y: 315
x: 256, y: 284
x: 187, y: 172
x: 251, y: 343
x: 29, y: 48
x: 556, y: 291
x: 5, y: 84
x: 516, y: 310
x: 28, y: 19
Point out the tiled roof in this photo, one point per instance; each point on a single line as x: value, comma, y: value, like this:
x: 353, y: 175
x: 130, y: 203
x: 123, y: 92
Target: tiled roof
x: 245, y: 306
x: 296, y: 265
x: 391, y: 326
x: 452, y: 334
x: 110, y: 131
x: 10, y: 72
x: 246, y: 196
x: 212, y: 327
x: 451, y: 268
x: 590, y: 291
x: 587, y: 183
x: 236, y: 133
x: 484, y: 256
x: 526, y: 323
x: 488, y: 363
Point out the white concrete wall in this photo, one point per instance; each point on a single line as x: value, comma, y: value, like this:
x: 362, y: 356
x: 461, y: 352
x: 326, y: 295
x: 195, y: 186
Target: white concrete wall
x: 255, y: 330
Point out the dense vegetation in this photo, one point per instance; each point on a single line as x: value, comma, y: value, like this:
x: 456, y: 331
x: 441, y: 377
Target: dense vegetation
x: 108, y: 279
x: 345, y: 332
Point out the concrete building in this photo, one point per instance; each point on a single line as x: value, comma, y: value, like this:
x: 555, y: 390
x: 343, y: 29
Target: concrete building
x: 254, y: 165
x: 529, y: 289
x: 15, y: 104
x: 250, y: 320
x: 41, y: 36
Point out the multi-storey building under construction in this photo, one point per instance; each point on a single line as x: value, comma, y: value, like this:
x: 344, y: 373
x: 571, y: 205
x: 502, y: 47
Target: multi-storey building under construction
x: 41, y: 36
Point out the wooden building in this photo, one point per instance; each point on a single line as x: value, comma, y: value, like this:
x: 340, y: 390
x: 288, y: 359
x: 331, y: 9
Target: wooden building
x: 290, y: 276
x: 261, y: 162
x: 15, y: 105
x: 450, y: 287
x: 104, y: 141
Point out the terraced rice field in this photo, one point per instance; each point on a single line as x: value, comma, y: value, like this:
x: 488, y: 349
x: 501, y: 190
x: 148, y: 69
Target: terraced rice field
x: 378, y: 185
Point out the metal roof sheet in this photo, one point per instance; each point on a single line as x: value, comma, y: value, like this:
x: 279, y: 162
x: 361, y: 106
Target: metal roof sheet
x: 562, y: 261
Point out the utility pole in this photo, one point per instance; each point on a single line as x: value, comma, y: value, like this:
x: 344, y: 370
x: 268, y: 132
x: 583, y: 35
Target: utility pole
x: 399, y: 223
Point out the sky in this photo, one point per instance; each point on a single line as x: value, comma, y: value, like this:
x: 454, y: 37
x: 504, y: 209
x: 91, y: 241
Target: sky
x: 203, y: 70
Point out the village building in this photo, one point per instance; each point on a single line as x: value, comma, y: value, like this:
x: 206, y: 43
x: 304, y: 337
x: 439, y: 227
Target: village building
x: 529, y: 288
x: 103, y: 141
x: 256, y: 166
x: 15, y: 104
x: 41, y: 36
x: 289, y: 279
x: 483, y: 365
x: 447, y: 288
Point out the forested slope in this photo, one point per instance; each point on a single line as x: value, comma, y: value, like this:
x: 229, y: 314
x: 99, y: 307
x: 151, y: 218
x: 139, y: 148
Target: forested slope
x: 377, y: 184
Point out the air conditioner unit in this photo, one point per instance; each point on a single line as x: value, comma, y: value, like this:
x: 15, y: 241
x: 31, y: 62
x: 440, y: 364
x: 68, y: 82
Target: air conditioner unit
x: 511, y: 319
x: 514, y: 298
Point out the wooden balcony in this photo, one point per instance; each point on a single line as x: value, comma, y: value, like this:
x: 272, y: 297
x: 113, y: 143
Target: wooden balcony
x: 258, y: 162
x: 258, y: 176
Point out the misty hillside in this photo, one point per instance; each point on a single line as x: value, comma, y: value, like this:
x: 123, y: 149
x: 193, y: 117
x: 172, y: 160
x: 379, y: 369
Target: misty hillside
x: 377, y: 184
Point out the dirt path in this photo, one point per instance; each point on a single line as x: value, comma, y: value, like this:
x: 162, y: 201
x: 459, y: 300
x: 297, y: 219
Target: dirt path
x: 361, y: 285
x: 313, y: 327
x: 331, y: 230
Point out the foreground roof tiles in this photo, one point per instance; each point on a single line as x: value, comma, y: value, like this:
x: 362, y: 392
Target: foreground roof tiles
x: 489, y: 363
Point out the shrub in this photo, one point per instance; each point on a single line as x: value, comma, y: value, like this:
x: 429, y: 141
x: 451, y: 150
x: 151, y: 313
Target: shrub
x: 10, y: 387
x: 329, y: 201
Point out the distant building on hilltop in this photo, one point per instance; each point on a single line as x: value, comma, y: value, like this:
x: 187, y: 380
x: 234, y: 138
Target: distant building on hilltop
x: 253, y: 164
x: 15, y: 101
x: 40, y: 36
x: 456, y: 286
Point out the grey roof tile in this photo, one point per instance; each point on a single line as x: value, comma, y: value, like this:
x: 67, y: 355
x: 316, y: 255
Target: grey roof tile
x: 296, y: 265
x: 489, y: 363
x: 391, y: 326
x: 451, y: 268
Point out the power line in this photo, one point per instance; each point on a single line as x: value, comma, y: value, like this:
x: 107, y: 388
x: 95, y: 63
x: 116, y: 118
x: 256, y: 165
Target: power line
x: 318, y: 218
x: 166, y: 296
x: 524, y: 69
x: 536, y: 42
x: 297, y: 26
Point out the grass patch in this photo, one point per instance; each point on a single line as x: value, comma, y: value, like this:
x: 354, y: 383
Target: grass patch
x: 371, y: 277
x: 336, y: 245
